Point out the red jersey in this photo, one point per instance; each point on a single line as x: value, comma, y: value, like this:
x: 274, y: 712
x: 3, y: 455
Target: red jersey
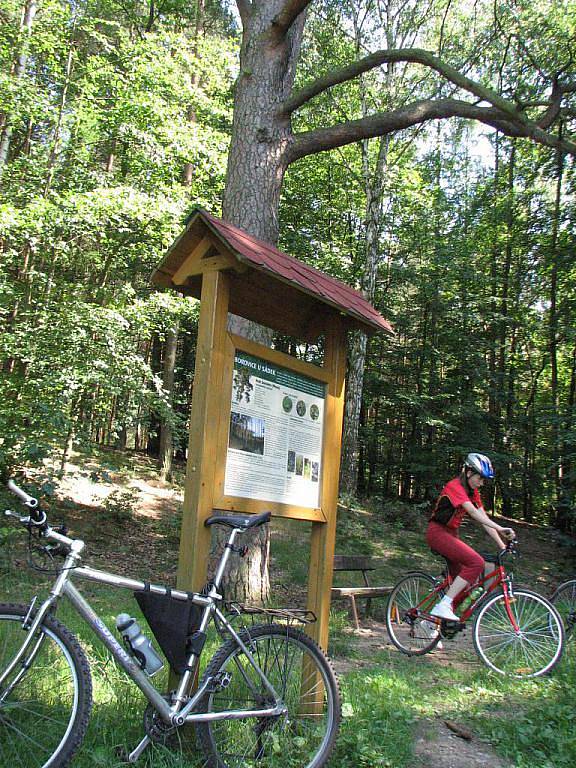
x: 454, y: 495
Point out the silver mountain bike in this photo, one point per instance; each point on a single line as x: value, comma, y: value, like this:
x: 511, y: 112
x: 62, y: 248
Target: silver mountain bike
x: 267, y: 698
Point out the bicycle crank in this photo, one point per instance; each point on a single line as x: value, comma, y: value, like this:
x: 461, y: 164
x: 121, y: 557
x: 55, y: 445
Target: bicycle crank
x: 449, y: 629
x: 159, y: 731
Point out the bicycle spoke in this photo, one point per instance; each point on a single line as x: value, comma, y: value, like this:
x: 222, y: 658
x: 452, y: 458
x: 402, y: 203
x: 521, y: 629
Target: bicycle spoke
x: 409, y: 599
x: 531, y: 649
x: 38, y: 715
x: 301, y: 738
x: 564, y: 600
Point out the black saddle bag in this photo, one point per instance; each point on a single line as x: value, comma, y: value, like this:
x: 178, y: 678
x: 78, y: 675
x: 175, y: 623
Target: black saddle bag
x: 173, y: 622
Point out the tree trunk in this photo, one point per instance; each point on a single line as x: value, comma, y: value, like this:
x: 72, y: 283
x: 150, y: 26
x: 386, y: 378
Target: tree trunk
x: 166, y: 432
x: 256, y: 166
x: 257, y: 160
x: 188, y: 169
x: 69, y: 441
x: 561, y: 514
x: 30, y: 8
x: 504, y: 350
x: 58, y: 128
x: 357, y: 355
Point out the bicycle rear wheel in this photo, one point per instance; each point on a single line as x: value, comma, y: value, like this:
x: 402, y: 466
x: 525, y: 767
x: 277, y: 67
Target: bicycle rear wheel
x: 44, y: 709
x: 411, y: 596
x: 564, y: 600
x: 301, y: 675
x: 531, y: 650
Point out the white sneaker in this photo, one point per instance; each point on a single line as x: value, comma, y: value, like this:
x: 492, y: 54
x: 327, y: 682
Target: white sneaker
x: 444, y: 611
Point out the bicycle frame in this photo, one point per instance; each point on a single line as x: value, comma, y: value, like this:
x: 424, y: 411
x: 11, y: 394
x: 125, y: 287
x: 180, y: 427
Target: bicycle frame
x: 180, y: 710
x: 500, y: 579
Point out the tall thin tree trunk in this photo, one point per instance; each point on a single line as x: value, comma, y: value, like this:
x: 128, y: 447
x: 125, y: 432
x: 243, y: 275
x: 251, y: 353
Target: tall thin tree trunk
x: 188, y: 170
x: 358, y: 341
x: 58, y: 128
x: 561, y: 512
x: 29, y: 12
x: 505, y: 331
x: 166, y: 432
x: 69, y: 441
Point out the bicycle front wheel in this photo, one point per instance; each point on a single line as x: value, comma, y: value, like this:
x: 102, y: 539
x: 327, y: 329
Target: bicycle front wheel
x: 531, y: 649
x: 564, y: 600
x: 44, y: 709
x: 304, y: 679
x: 412, y: 596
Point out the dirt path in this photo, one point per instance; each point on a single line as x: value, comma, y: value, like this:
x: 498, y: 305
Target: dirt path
x: 438, y: 743
x: 438, y: 746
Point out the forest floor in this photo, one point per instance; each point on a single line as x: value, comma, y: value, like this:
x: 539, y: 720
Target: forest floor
x: 131, y: 521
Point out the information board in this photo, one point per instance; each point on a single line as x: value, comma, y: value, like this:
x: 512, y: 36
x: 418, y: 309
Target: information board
x: 275, y: 433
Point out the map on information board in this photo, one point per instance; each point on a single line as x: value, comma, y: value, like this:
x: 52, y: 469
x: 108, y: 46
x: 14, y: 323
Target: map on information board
x: 275, y: 433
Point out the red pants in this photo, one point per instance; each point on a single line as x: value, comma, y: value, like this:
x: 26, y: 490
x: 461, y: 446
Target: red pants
x: 463, y: 560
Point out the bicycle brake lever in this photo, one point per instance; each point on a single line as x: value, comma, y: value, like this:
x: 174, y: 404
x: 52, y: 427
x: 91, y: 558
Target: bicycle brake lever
x: 21, y: 518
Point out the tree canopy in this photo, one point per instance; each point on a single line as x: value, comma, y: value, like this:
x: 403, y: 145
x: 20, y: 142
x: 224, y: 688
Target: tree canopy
x: 116, y: 119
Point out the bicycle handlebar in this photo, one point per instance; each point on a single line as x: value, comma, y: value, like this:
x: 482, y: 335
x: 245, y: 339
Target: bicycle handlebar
x: 36, y: 516
x: 509, y: 549
x: 30, y: 501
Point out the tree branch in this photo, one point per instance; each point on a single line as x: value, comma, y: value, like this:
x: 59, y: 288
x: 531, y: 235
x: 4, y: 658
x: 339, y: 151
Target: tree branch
x: 244, y: 9
x: 554, y: 104
x: 410, y: 55
x: 416, y: 113
x: 288, y: 15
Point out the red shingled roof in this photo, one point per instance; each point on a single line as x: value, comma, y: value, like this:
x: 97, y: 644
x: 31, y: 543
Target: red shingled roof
x: 265, y: 258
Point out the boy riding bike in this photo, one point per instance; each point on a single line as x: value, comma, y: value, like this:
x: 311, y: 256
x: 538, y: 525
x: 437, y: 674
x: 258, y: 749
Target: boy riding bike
x: 461, y: 497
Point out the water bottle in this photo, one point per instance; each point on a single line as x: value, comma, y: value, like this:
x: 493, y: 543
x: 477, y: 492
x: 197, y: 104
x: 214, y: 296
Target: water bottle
x: 475, y: 593
x: 471, y: 598
x: 139, y: 645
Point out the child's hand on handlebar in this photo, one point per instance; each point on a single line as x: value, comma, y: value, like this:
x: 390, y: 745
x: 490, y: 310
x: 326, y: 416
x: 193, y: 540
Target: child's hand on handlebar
x: 508, y: 533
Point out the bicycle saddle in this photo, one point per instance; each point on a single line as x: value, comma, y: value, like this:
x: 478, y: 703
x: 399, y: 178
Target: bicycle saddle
x: 239, y: 521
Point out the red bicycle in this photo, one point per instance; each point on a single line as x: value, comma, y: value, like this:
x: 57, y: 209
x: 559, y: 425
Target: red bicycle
x: 516, y: 631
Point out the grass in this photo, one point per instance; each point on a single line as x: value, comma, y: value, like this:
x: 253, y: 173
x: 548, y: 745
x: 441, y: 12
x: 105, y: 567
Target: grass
x: 386, y: 696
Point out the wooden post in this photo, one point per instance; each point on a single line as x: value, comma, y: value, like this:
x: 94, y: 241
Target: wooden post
x: 207, y: 399
x: 323, y: 537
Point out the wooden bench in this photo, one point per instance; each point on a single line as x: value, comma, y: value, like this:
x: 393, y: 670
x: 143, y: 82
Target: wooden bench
x: 363, y: 565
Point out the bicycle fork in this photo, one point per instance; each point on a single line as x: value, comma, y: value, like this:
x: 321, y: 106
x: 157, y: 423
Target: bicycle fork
x: 21, y: 659
x: 508, y: 597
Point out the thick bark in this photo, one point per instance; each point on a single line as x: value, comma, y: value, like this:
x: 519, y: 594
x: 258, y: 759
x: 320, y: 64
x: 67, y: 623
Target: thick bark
x: 260, y: 135
x: 272, y: 34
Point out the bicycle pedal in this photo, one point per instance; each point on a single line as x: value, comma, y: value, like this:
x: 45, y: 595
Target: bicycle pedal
x: 450, y: 629
x: 219, y: 682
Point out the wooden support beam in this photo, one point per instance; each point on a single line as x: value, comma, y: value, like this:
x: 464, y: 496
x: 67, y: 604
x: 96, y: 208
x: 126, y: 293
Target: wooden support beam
x: 207, y: 399
x: 199, y: 262
x: 323, y: 537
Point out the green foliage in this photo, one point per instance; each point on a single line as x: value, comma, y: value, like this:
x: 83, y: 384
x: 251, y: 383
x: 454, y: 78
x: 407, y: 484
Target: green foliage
x: 103, y: 120
x: 119, y: 120
x: 119, y: 506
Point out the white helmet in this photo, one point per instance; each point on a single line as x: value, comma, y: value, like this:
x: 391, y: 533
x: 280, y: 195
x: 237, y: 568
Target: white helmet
x: 480, y: 464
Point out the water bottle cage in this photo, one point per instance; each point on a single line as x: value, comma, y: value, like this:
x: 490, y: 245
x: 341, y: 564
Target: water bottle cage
x: 138, y: 656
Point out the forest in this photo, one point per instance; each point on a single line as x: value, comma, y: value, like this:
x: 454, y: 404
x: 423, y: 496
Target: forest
x: 423, y: 154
